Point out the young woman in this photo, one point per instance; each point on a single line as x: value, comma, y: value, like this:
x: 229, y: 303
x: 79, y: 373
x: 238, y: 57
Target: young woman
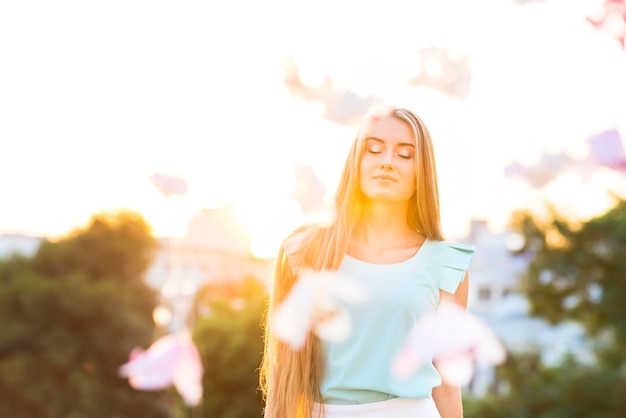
x: 387, y: 235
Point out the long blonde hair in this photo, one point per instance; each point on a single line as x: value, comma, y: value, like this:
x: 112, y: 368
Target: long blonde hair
x: 290, y: 380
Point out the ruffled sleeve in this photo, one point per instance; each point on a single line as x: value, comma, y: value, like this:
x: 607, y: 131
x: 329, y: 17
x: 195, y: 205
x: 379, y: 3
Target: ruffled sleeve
x: 294, y: 247
x: 456, y: 260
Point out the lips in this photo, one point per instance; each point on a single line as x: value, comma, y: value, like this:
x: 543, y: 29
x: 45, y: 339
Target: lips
x: 385, y: 177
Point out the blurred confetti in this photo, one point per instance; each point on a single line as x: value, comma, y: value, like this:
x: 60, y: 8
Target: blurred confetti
x: 542, y: 173
x: 454, y: 339
x: 612, y: 19
x: 605, y: 149
x: 312, y: 304
x: 172, y: 359
x: 443, y: 71
x: 169, y: 185
x: 341, y: 106
x: 309, y: 192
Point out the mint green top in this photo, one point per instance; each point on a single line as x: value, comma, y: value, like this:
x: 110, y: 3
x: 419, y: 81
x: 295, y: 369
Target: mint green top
x: 358, y: 371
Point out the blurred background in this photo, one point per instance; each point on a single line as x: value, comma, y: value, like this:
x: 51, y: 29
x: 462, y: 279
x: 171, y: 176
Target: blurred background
x: 154, y: 155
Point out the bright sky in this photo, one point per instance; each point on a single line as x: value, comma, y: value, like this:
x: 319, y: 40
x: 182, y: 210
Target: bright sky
x: 95, y: 97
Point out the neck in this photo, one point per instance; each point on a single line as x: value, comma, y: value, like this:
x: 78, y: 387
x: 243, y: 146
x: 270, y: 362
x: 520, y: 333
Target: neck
x: 384, y: 224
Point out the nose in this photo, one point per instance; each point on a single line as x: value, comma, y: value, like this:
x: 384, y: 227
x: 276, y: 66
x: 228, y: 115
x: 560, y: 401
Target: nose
x: 386, y: 162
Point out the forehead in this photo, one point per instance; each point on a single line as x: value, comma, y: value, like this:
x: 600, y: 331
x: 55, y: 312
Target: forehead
x: 391, y: 129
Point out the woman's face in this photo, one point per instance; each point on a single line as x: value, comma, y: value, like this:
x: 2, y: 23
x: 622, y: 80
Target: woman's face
x: 388, y: 162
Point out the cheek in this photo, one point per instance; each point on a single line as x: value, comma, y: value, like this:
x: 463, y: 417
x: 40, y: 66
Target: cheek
x: 368, y: 164
x: 408, y: 169
x: 409, y: 176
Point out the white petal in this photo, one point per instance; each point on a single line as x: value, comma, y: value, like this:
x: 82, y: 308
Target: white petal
x: 456, y: 371
x: 461, y: 331
x: 490, y: 350
x: 291, y: 320
x: 337, y: 328
x: 188, y: 377
x: 451, y: 332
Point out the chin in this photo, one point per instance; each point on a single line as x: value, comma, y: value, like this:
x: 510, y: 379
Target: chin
x: 386, y: 198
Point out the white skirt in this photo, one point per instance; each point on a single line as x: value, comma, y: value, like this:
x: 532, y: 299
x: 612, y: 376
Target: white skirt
x: 396, y: 408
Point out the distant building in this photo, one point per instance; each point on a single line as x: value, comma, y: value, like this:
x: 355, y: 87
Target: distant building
x: 215, y: 249
x: 495, y: 297
x: 25, y: 245
x: 495, y: 269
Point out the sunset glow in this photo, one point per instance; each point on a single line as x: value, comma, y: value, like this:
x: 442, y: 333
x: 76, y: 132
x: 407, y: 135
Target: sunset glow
x: 96, y: 98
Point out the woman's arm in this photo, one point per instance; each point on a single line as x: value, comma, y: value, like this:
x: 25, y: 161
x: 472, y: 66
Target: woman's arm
x: 448, y: 397
x: 448, y: 401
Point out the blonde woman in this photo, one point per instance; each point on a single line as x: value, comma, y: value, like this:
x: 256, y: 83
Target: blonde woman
x: 387, y: 234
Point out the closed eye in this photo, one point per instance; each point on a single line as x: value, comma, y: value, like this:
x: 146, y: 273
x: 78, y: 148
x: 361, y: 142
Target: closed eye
x: 406, y: 154
x: 375, y: 148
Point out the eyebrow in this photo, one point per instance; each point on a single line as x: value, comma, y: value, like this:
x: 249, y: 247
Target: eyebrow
x: 401, y: 144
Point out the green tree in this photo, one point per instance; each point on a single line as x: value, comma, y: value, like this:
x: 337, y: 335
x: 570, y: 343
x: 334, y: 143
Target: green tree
x: 578, y: 273
x: 114, y: 246
x: 529, y: 389
x: 70, y: 317
x: 230, y: 341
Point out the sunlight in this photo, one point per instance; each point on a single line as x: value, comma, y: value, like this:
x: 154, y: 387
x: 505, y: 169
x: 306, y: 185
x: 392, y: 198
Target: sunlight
x: 268, y: 224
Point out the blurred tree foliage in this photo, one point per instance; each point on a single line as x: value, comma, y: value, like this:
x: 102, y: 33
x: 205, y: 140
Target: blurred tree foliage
x: 230, y: 340
x: 578, y: 272
x: 528, y: 389
x: 115, y: 246
x: 70, y: 316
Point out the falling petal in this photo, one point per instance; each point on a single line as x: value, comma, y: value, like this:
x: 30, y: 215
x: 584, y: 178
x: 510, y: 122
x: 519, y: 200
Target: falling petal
x: 607, y: 149
x: 452, y: 338
x: 489, y: 350
x: 172, y: 359
x: 292, y: 319
x: 457, y: 370
x: 443, y: 71
x: 308, y: 190
x: 548, y: 168
x: 335, y: 325
x: 313, y: 305
x: 189, y: 372
x: 169, y: 185
x: 341, y: 106
x: 154, y: 368
x: 611, y: 19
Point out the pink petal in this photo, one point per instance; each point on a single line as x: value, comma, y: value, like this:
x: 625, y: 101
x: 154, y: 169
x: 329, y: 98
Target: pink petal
x: 169, y: 185
x: 453, y: 336
x: 154, y: 368
x: 189, y: 372
x: 606, y: 149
